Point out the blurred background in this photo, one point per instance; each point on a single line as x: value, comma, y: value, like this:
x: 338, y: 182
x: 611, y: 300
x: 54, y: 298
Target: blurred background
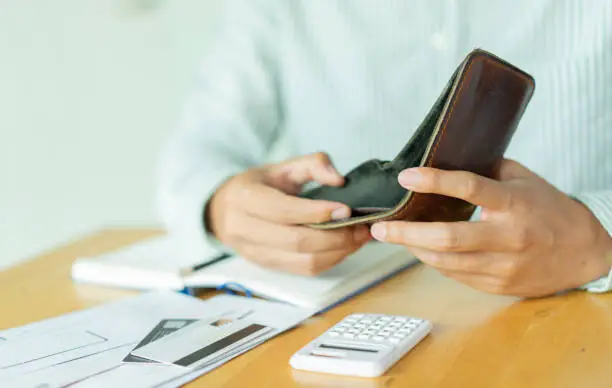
x: 88, y: 93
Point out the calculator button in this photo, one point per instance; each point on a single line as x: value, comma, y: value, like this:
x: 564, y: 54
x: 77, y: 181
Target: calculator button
x: 399, y: 335
x: 348, y: 335
x: 385, y: 318
x: 353, y: 331
x: 405, y: 331
x: 350, y: 320
x: 360, y: 326
x: 364, y: 336
x: 333, y: 334
x: 401, y: 319
x: 367, y: 320
x: 395, y: 324
x: 395, y: 340
x: 378, y: 338
x: 340, y: 329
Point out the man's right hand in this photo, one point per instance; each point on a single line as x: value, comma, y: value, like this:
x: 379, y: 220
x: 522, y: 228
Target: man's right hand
x: 258, y: 215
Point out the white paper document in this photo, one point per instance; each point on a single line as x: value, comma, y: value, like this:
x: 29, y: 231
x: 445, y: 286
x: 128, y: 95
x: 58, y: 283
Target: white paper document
x: 89, y: 348
x: 45, y: 345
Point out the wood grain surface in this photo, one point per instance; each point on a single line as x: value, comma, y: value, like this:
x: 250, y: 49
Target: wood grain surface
x: 478, y: 340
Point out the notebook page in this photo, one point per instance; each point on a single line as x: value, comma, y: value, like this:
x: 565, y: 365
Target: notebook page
x: 263, y: 280
x: 162, y: 254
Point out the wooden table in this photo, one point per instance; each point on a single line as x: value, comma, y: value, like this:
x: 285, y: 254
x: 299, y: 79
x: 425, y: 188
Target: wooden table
x: 478, y: 340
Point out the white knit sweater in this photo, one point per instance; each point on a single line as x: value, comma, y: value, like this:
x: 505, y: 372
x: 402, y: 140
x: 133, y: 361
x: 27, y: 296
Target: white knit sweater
x: 355, y: 78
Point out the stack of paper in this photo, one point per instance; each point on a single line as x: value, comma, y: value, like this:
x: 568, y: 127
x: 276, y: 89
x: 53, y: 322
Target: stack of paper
x: 155, y: 339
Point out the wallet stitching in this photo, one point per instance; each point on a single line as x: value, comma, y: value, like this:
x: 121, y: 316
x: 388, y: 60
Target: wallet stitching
x: 450, y: 115
x: 495, y: 62
x: 410, y: 204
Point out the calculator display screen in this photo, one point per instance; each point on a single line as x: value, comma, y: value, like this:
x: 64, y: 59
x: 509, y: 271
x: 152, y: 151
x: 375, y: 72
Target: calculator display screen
x: 337, y: 347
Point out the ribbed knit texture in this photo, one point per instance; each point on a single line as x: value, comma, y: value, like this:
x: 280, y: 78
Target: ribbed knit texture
x: 355, y: 78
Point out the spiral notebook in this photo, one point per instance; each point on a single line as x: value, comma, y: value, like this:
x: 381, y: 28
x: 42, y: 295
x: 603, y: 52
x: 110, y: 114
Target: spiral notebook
x: 160, y: 263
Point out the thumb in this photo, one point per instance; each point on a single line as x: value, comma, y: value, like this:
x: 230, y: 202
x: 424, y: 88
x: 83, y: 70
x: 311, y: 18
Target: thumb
x: 315, y: 167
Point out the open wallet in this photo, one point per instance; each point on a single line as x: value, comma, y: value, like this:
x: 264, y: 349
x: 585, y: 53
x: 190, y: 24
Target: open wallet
x: 468, y: 128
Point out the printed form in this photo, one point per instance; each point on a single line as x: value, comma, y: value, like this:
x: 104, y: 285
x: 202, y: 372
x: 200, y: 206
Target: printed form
x: 94, y: 347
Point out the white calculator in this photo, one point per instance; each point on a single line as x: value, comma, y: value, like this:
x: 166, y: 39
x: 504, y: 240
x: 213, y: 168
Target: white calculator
x: 363, y: 345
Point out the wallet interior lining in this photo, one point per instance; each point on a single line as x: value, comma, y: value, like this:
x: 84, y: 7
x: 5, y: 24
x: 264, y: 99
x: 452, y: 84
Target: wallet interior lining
x: 371, y: 189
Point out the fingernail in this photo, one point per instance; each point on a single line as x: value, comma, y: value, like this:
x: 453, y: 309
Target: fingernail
x: 341, y: 213
x: 379, y: 231
x: 409, y: 178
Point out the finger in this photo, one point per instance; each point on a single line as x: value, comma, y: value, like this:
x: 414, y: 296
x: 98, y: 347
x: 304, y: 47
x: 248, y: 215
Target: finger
x: 315, y: 167
x: 266, y: 202
x: 292, y: 262
x: 298, y: 238
x: 443, y: 236
x: 461, y: 263
x: 468, y: 186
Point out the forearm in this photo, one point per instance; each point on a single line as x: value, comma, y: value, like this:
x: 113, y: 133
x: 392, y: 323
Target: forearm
x: 186, y: 183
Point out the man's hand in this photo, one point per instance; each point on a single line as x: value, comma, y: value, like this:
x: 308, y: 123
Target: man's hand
x: 532, y: 240
x: 258, y: 215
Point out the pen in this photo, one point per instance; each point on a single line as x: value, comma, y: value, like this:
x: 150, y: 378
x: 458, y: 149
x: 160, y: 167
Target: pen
x: 220, y: 257
x: 215, y: 260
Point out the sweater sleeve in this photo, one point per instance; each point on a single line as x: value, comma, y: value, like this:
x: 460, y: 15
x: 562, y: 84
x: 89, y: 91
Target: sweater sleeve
x: 600, y: 204
x: 230, y: 122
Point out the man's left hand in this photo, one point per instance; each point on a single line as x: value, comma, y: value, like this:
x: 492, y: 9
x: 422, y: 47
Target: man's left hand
x: 531, y: 240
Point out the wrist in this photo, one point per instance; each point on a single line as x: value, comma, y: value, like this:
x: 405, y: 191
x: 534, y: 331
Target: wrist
x: 211, y: 212
x: 206, y: 218
x: 596, y: 247
x: 600, y: 284
x: 595, y: 269
x: 599, y: 256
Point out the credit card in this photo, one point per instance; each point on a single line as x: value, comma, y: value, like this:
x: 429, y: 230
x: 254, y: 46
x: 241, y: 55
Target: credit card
x: 202, y: 342
x: 163, y: 328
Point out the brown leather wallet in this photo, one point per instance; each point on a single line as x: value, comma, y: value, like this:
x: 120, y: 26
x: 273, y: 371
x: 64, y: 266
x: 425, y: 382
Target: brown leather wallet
x: 468, y: 128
